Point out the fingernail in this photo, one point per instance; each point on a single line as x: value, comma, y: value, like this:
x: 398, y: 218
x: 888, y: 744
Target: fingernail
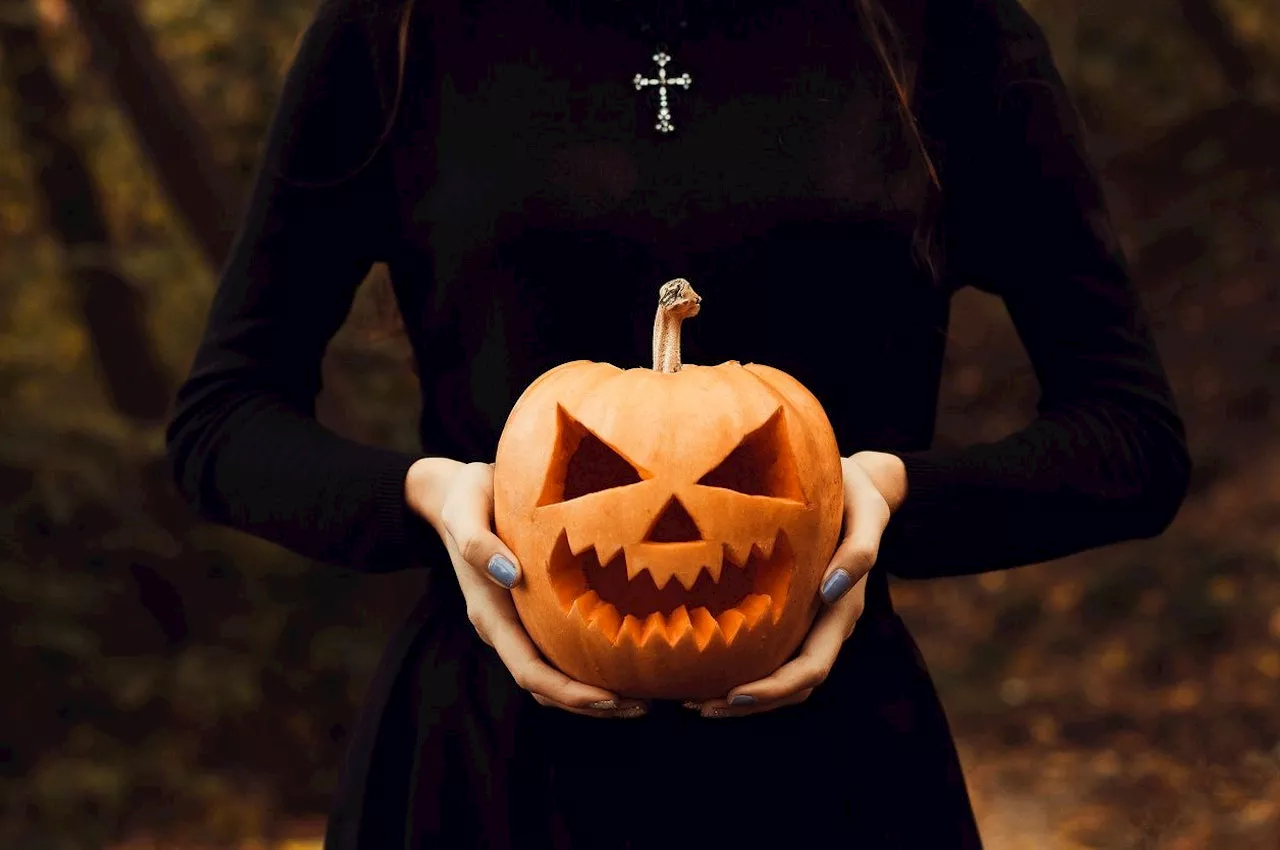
x: 836, y: 586
x: 631, y: 711
x: 501, y: 568
x: 604, y: 705
x: 692, y: 704
x: 714, y: 712
x: 742, y: 699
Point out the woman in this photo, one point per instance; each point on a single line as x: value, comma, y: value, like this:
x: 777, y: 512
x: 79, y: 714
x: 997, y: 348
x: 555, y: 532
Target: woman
x: 827, y: 176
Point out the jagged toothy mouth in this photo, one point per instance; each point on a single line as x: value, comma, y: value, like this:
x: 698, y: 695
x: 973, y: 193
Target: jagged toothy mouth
x: 650, y: 589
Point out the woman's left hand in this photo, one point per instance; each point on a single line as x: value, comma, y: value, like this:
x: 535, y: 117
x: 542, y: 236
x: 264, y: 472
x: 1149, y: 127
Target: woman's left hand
x: 874, y: 486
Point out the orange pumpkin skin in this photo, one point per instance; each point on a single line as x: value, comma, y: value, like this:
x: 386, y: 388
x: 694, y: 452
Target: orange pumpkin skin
x: 673, y: 528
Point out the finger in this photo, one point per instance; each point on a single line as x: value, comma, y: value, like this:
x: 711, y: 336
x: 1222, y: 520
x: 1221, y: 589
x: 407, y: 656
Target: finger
x: 717, y: 711
x: 866, y: 517
x: 493, y: 616
x: 486, y: 601
x: 807, y: 670
x: 812, y: 664
x: 509, y: 639
x: 467, y: 516
x: 629, y: 713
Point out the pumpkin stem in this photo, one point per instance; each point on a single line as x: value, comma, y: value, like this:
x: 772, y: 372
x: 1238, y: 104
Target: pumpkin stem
x: 676, y: 302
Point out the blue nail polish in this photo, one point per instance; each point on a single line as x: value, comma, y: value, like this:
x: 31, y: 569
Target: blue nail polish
x: 503, y: 570
x: 836, y: 586
x: 743, y: 699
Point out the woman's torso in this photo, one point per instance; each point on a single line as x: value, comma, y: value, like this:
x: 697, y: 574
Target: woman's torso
x: 540, y: 209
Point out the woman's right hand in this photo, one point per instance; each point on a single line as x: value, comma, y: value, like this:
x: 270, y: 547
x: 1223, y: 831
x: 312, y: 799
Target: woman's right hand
x: 457, y: 500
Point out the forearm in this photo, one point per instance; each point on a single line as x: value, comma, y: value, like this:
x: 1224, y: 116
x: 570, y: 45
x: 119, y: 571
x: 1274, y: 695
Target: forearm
x: 244, y: 443
x: 426, y: 483
x: 1025, y: 218
x: 275, y: 472
x: 1066, y: 483
x: 888, y: 473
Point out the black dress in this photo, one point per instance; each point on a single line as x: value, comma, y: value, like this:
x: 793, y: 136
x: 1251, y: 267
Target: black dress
x: 529, y: 208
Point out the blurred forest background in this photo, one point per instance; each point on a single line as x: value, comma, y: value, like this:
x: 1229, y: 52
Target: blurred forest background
x: 170, y: 684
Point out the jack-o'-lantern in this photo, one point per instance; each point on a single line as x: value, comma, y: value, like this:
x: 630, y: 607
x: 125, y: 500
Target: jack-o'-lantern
x: 673, y: 524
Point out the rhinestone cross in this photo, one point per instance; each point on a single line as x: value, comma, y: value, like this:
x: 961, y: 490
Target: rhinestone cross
x: 662, y: 81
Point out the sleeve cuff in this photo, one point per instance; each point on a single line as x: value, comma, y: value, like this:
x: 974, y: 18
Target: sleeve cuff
x: 928, y: 473
x: 404, y: 539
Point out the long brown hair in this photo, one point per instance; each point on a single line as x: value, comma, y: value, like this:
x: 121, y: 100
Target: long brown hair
x: 889, y: 44
x: 887, y: 41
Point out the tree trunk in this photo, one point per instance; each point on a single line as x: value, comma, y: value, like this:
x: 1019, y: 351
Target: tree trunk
x: 112, y: 309
x: 1065, y: 35
x: 1214, y: 31
x: 177, y: 145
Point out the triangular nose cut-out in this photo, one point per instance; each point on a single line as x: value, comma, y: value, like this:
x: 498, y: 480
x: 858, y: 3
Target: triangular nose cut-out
x: 673, y: 525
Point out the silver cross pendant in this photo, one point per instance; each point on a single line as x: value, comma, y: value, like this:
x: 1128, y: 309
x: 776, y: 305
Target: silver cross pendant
x: 662, y: 81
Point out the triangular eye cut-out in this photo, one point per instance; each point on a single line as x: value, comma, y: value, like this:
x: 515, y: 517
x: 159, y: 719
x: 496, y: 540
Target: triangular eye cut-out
x: 760, y: 465
x: 583, y: 463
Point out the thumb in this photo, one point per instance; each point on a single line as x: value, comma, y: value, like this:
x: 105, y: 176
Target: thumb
x: 485, y: 552
x: 852, y: 560
x: 467, y: 517
x: 482, y: 549
x: 866, y: 516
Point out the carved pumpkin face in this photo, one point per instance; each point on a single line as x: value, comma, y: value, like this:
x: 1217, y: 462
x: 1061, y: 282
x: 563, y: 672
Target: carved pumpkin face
x: 673, y: 528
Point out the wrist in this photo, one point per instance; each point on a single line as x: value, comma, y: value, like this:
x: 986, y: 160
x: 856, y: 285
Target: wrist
x: 425, y: 485
x: 889, y: 474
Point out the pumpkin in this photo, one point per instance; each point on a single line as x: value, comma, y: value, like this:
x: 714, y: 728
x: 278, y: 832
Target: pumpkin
x: 674, y: 523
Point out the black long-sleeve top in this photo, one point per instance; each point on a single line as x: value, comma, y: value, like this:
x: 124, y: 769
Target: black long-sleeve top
x: 516, y: 186
x: 528, y: 210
